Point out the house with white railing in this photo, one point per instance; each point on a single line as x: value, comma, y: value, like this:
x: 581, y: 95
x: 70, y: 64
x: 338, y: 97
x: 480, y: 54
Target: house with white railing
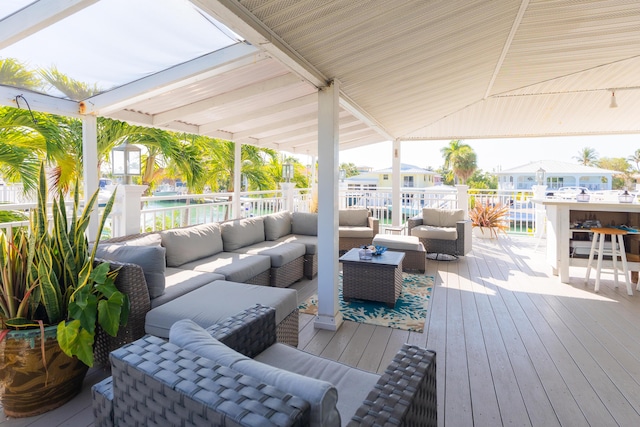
x: 558, y: 174
x: 411, y: 177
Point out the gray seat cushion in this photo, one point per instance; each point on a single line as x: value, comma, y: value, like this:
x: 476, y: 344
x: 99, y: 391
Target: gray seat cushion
x: 353, y: 384
x: 310, y: 242
x: 354, y: 231
x: 216, y: 301
x: 279, y: 252
x: 406, y: 243
x: 179, y: 282
x: 235, y: 267
x: 436, y: 233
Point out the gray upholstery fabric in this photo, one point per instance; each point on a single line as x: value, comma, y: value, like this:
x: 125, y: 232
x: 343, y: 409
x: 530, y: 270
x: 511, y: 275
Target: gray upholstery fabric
x: 410, y: 243
x: 320, y: 394
x: 310, y: 242
x: 150, y: 258
x: 442, y: 217
x: 242, y: 232
x: 179, y: 282
x: 234, y: 266
x: 355, y: 231
x: 215, y: 302
x: 304, y: 223
x: 277, y: 225
x: 191, y: 243
x: 353, y: 217
x: 352, y: 384
x: 279, y: 252
x: 189, y: 335
x: 152, y: 239
x: 438, y: 233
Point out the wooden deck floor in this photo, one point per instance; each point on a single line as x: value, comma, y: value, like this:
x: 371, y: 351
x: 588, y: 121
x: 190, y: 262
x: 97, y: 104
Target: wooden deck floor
x: 514, y: 345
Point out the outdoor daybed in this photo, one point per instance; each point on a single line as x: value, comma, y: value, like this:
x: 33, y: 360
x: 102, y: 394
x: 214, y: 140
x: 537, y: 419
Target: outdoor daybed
x: 235, y: 373
x: 233, y: 263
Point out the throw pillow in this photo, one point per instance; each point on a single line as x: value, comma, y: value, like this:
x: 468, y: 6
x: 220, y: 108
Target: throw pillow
x: 304, y: 223
x: 150, y: 258
x: 277, y: 225
x: 191, y: 243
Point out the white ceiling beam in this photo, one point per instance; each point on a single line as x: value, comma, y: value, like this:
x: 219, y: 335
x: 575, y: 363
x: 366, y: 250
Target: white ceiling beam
x: 302, y: 132
x: 235, y: 16
x: 290, y: 121
x: 35, y: 17
x: 507, y: 45
x: 226, y: 98
x: 242, y: 116
x: 352, y: 107
x: 187, y: 73
x: 38, y: 102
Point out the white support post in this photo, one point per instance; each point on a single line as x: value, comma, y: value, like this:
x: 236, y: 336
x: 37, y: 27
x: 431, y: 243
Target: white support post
x: 287, y: 194
x: 237, y: 178
x: 463, y: 199
x: 91, y: 175
x: 396, y: 197
x: 131, y: 206
x: 329, y: 316
x: 538, y: 195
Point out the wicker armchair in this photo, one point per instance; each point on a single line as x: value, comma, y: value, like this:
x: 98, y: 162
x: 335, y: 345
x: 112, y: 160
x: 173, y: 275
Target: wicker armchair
x: 356, y: 228
x: 440, y: 237
x: 174, y: 386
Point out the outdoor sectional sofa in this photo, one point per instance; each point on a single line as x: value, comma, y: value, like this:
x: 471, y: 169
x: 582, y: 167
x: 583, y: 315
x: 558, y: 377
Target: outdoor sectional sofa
x: 225, y: 266
x: 236, y: 374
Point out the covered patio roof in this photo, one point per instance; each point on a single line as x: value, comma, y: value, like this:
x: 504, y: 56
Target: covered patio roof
x: 408, y: 70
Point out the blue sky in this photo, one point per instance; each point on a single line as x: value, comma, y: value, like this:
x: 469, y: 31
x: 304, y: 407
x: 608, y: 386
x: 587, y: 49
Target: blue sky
x: 496, y: 154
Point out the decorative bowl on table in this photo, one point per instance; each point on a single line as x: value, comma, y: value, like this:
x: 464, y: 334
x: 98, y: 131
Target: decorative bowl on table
x: 367, y: 252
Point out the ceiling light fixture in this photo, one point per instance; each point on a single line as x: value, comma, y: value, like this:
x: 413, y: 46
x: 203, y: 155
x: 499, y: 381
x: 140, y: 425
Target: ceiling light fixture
x: 614, y: 103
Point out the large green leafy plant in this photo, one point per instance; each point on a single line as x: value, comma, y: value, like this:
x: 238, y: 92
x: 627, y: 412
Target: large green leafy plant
x: 48, y: 277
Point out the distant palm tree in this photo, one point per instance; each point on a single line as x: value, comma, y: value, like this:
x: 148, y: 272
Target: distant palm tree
x: 460, y: 159
x: 14, y: 73
x: 635, y: 158
x: 587, y: 156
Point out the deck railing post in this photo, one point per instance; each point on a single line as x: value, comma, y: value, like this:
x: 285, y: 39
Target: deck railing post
x: 463, y: 199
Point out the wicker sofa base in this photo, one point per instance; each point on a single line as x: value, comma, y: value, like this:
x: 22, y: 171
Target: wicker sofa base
x: 310, y: 266
x: 287, y: 330
x: 286, y: 275
x: 262, y: 279
x: 347, y: 243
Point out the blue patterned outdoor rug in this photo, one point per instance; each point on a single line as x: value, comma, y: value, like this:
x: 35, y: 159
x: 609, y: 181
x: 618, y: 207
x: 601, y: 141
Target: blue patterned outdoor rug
x: 409, y: 313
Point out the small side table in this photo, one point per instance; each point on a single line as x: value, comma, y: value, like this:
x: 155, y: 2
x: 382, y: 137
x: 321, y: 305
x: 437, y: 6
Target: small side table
x: 377, y: 279
x: 394, y: 230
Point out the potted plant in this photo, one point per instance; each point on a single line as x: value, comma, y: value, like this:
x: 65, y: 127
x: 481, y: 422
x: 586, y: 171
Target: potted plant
x: 53, y: 296
x: 488, y: 219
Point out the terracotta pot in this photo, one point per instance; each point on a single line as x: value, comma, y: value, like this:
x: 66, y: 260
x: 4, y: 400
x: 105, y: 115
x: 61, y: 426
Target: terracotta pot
x: 26, y: 387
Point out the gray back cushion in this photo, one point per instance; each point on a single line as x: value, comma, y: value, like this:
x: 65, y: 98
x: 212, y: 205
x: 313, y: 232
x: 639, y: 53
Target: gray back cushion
x: 191, y: 243
x: 277, y: 225
x: 304, y: 223
x: 150, y: 258
x: 442, y: 217
x: 353, y: 217
x: 242, y: 232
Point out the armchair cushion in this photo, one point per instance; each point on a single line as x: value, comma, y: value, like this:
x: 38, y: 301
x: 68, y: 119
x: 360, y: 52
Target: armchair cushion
x: 191, y: 243
x: 304, y: 223
x: 356, y: 231
x: 442, y: 217
x: 353, y: 217
x: 438, y: 233
x: 242, y: 232
x: 150, y: 258
x: 277, y: 225
x: 322, y: 395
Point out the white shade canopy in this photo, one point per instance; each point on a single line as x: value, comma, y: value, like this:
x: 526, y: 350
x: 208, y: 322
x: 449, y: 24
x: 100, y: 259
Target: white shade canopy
x: 250, y: 70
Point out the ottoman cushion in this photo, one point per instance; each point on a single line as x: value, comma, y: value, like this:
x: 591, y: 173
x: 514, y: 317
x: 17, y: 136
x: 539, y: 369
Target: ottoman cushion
x: 180, y: 281
x: 406, y: 243
x: 280, y: 253
x: 215, y: 302
x: 353, y: 231
x: 235, y: 267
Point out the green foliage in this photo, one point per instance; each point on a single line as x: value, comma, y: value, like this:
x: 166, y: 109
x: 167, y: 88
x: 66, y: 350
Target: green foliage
x: 483, y: 180
x: 621, y: 165
x: 48, y: 276
x: 491, y: 215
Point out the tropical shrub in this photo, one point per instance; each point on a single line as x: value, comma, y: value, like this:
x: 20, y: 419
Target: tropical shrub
x: 490, y: 215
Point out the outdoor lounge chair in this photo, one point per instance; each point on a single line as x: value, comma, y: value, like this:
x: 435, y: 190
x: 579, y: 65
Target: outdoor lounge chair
x: 442, y: 231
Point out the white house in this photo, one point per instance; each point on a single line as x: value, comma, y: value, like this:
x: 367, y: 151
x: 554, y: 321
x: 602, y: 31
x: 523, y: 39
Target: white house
x: 558, y: 174
x: 411, y: 176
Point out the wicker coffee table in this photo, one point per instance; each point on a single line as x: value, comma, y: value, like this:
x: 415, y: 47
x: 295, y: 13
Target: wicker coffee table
x: 378, y: 279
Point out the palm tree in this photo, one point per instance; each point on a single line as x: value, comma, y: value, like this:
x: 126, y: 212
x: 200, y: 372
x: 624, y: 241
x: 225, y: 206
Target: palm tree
x: 635, y: 158
x: 587, y: 156
x: 460, y: 159
x: 14, y: 73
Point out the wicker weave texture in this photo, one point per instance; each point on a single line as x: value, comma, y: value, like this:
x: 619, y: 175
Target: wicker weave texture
x: 130, y: 281
x: 287, y: 274
x: 102, y: 394
x: 458, y: 247
x: 262, y: 279
x: 249, y: 332
x: 372, y: 282
x: 310, y: 266
x: 405, y: 395
x: 157, y: 383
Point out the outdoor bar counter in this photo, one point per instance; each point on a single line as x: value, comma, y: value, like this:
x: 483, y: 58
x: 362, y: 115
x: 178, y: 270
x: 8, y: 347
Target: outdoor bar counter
x: 568, y: 234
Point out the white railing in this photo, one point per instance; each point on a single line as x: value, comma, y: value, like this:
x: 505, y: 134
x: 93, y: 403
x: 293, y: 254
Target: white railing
x: 522, y: 212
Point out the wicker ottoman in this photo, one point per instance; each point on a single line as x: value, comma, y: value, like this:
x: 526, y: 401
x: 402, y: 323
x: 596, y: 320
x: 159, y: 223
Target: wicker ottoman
x: 378, y: 279
x: 415, y: 257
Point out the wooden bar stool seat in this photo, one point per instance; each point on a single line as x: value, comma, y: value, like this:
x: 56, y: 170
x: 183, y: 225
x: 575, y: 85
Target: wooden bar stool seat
x: 597, y: 245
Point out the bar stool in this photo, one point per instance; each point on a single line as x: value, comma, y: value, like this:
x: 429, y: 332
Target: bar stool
x: 601, y: 233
